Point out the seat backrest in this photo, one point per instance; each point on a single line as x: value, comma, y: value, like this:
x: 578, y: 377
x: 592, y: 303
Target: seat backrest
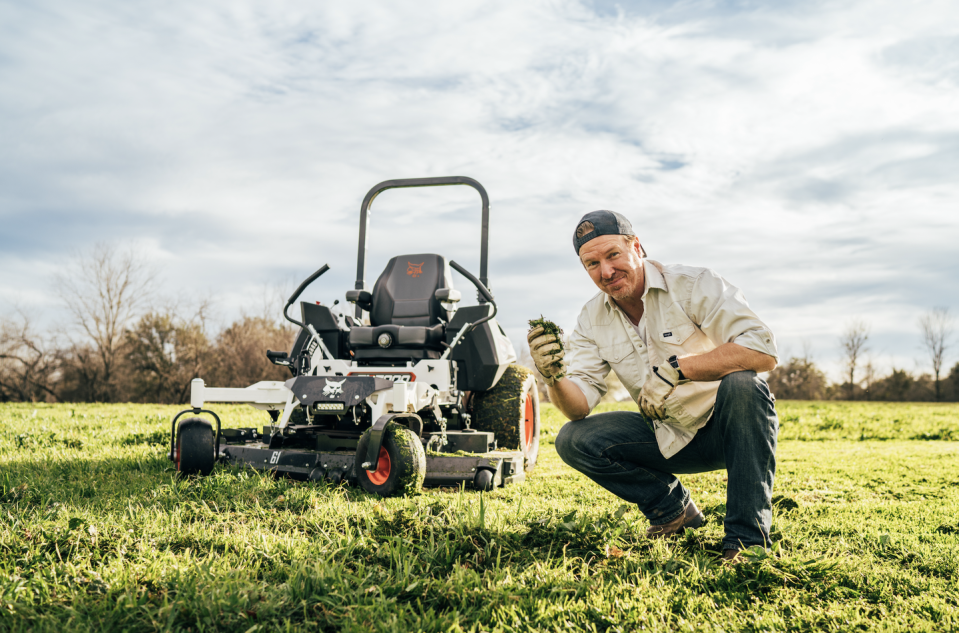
x: 403, y: 295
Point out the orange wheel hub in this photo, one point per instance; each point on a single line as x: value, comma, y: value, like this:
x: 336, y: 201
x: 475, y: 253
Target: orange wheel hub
x: 383, y: 467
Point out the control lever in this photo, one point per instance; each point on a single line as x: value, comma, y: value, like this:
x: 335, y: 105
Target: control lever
x: 278, y: 358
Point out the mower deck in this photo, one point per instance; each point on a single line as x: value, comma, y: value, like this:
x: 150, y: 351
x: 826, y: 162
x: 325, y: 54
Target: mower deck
x: 441, y: 469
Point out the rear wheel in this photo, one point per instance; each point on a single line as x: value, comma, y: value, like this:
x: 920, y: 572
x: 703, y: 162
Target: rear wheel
x: 401, y: 467
x: 194, y: 447
x: 511, y: 411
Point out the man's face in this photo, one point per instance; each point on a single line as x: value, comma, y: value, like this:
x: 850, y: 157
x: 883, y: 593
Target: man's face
x: 615, y: 265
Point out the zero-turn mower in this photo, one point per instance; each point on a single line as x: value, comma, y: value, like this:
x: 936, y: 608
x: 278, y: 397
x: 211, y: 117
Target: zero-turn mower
x: 406, y: 391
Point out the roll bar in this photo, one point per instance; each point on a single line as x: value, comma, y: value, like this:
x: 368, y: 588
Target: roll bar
x: 423, y: 182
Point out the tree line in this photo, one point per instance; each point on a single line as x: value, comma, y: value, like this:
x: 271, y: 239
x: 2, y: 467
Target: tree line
x: 799, y: 378
x: 116, y: 346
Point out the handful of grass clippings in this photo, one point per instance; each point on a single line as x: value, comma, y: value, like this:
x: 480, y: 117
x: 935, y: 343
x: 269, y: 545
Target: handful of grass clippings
x: 548, y: 358
x: 548, y: 328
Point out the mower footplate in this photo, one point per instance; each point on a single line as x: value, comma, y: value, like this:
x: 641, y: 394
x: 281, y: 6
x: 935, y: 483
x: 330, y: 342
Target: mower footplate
x: 298, y: 464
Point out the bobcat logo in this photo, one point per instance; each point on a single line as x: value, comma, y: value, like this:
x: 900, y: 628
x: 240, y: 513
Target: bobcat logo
x: 333, y: 388
x: 414, y: 270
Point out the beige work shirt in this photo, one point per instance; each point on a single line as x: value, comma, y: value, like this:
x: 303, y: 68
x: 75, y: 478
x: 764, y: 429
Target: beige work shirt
x: 687, y: 310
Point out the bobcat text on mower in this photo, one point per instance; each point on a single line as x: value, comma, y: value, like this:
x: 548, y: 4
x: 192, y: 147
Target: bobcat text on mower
x: 424, y: 394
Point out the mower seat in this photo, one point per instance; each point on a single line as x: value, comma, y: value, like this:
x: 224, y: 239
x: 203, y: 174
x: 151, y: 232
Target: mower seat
x: 406, y: 318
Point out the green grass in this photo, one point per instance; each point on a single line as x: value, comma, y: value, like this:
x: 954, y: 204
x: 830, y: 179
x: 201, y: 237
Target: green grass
x: 96, y: 534
x: 868, y: 421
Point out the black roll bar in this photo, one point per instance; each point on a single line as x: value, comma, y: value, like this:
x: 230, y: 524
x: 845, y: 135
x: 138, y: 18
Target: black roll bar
x: 423, y: 182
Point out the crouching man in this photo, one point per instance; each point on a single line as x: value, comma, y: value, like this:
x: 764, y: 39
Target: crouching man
x: 687, y: 346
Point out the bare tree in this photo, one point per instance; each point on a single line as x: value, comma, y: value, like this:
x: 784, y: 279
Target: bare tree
x: 936, y: 327
x: 29, y: 363
x: 103, y: 292
x: 852, y: 343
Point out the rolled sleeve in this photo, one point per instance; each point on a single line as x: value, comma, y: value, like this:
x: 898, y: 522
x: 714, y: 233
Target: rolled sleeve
x: 760, y: 340
x: 725, y: 316
x: 586, y: 369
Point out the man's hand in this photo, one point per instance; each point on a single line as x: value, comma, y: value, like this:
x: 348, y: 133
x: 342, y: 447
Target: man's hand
x: 547, y: 353
x: 652, y: 399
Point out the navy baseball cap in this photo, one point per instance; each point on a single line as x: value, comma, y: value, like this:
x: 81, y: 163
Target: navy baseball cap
x: 604, y: 223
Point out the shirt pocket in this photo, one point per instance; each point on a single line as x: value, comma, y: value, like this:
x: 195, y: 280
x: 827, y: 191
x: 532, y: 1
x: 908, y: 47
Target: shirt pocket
x: 679, y: 335
x: 677, y: 328
x: 623, y: 359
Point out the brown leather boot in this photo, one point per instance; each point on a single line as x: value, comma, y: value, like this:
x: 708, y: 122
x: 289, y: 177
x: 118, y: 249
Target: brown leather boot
x: 690, y: 519
x: 731, y: 557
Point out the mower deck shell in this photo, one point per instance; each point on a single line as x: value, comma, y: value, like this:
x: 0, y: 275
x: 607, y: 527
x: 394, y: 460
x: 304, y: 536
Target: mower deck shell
x: 441, y: 469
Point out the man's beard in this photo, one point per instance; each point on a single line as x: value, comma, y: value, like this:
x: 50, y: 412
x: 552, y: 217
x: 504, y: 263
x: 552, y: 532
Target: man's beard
x: 625, y: 292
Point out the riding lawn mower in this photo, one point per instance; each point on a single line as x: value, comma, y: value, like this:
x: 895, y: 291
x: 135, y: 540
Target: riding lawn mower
x: 406, y: 391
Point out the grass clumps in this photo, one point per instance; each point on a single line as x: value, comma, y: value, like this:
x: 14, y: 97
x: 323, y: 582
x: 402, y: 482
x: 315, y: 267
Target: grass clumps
x: 501, y: 409
x: 554, y: 348
x: 548, y: 327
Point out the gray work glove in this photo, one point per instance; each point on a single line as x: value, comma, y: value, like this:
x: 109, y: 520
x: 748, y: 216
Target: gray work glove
x: 652, y: 399
x: 547, y: 353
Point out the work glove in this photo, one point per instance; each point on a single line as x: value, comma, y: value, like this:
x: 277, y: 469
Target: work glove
x: 652, y: 399
x: 547, y: 353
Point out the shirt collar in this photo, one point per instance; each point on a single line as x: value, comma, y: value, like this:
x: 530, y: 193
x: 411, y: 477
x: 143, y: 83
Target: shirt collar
x: 654, y: 275
x: 654, y: 279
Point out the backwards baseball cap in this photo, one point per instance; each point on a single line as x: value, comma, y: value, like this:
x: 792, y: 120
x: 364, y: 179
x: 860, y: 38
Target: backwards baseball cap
x: 602, y: 223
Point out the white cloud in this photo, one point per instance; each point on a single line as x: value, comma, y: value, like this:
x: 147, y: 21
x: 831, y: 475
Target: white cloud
x: 805, y: 151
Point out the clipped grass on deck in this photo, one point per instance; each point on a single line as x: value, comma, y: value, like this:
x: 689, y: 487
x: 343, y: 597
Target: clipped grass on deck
x: 98, y: 535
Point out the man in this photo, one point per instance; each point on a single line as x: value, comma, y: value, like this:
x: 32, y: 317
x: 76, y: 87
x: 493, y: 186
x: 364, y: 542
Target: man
x: 687, y: 347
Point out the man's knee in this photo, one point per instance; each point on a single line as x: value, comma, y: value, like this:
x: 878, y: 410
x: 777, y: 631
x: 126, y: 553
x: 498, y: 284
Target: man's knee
x: 740, y: 382
x: 566, y: 441
x: 746, y: 399
x: 744, y: 386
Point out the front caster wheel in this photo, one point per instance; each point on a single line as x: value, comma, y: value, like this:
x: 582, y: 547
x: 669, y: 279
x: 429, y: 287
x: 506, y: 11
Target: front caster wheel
x: 194, y: 447
x: 401, y: 467
x: 484, y: 480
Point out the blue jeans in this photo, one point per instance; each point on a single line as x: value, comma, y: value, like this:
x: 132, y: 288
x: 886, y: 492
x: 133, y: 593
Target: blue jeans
x: 618, y: 450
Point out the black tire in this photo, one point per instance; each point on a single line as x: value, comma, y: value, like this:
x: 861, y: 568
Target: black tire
x: 195, y: 452
x: 511, y: 410
x: 484, y: 480
x: 402, y: 463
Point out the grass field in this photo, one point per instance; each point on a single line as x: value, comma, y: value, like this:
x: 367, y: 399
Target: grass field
x: 98, y: 535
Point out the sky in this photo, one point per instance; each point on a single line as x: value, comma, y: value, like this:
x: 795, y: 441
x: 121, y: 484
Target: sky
x: 806, y: 151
